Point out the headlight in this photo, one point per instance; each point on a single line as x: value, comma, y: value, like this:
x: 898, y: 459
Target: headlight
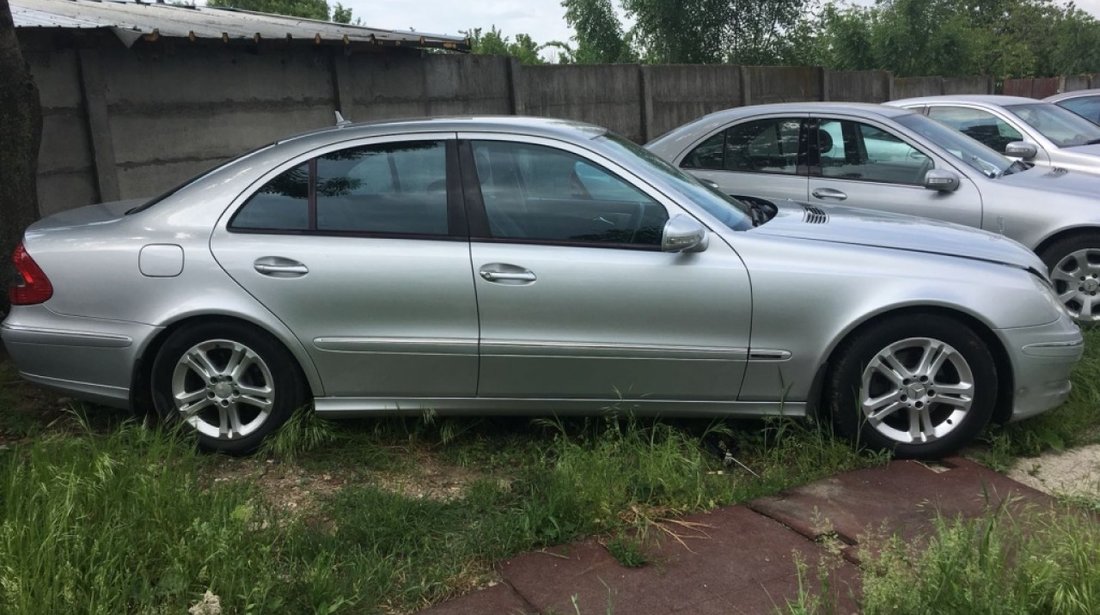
x: 1047, y: 289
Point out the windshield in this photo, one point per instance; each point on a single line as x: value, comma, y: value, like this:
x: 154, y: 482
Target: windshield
x: 1064, y: 128
x: 728, y: 210
x: 975, y: 154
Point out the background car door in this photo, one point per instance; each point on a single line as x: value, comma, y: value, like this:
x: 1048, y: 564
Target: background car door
x: 359, y: 253
x: 866, y: 165
x: 762, y: 157
x: 575, y: 297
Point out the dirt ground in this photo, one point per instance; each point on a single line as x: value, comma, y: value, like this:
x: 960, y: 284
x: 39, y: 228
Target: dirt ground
x: 1075, y: 472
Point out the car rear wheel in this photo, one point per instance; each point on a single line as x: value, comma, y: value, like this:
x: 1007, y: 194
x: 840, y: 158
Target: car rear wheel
x: 228, y: 383
x: 1074, y: 264
x: 921, y: 386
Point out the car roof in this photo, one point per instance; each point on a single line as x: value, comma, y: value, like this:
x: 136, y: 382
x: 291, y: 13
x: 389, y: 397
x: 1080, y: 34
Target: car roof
x: 808, y: 107
x: 1073, y: 94
x: 983, y: 99
x: 534, y: 126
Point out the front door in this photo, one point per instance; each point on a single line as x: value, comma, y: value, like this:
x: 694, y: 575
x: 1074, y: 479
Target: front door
x: 576, y: 298
x: 866, y: 165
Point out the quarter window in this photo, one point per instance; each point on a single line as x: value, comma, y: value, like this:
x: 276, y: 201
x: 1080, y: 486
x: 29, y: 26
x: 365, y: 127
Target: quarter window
x: 538, y: 193
x: 391, y: 189
x: 762, y: 146
x: 978, y: 125
x: 852, y: 150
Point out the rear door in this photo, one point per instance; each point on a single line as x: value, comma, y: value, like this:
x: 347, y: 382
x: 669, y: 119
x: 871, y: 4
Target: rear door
x: 362, y: 251
x: 764, y: 157
x: 866, y: 164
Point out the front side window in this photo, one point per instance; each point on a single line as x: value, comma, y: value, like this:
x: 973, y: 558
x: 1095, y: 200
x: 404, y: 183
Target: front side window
x: 973, y: 153
x: 761, y: 146
x: 977, y: 124
x: 857, y: 151
x: 390, y: 189
x: 538, y: 193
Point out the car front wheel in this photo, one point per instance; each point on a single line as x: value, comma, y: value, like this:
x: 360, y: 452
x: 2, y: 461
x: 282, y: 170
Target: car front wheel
x: 1074, y: 264
x: 229, y: 383
x: 922, y: 386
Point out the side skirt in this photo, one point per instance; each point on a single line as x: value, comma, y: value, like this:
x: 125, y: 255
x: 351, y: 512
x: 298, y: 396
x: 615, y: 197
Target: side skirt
x: 338, y: 407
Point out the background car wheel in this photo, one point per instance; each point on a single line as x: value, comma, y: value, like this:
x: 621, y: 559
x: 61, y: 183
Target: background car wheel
x: 1074, y: 264
x: 921, y: 386
x: 231, y: 384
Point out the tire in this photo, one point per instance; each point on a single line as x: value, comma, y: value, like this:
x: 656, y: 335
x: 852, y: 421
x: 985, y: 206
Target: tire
x: 880, y: 411
x: 1074, y: 265
x: 193, y: 383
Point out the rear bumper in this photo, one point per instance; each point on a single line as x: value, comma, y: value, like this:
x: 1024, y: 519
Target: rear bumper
x: 88, y: 358
x: 1042, y: 359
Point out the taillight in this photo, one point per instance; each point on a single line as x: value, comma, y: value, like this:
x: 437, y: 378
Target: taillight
x: 31, y: 284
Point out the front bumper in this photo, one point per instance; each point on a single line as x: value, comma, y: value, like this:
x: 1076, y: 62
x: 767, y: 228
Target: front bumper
x: 1042, y: 359
x: 88, y: 358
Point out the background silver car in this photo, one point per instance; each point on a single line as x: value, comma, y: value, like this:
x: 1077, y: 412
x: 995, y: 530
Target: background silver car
x: 891, y: 159
x: 1085, y: 103
x: 518, y: 265
x: 1024, y: 128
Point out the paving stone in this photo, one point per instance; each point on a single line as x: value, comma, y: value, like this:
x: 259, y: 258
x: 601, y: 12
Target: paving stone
x: 499, y: 599
x: 738, y: 562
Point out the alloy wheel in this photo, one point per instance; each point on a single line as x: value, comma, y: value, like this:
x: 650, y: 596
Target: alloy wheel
x: 223, y: 389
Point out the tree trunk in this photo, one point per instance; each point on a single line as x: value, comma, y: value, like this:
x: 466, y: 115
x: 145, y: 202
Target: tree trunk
x: 20, y: 135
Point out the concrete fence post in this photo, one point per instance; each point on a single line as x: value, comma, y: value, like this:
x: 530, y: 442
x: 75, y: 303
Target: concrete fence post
x: 746, y: 85
x: 645, y: 90
x: 94, y: 90
x: 515, y: 99
x: 342, y: 98
x: 824, y: 73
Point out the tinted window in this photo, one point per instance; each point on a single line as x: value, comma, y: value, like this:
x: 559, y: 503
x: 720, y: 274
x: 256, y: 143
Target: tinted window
x: 974, y: 154
x: 1087, y: 107
x: 978, y: 125
x: 541, y: 193
x: 852, y: 150
x: 282, y: 204
x: 762, y: 146
x: 390, y: 188
x: 393, y: 188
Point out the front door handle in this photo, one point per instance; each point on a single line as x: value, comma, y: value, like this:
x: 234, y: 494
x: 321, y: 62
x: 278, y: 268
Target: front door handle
x: 279, y: 267
x: 829, y: 193
x: 503, y: 273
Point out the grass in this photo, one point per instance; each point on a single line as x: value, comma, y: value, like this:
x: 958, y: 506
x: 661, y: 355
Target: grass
x: 99, y: 514
x: 1005, y: 563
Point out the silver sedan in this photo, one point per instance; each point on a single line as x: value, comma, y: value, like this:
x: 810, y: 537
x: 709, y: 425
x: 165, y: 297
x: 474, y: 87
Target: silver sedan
x: 1038, y: 132
x: 891, y: 159
x: 517, y: 265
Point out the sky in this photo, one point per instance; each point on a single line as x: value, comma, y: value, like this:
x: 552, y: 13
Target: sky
x: 544, y: 20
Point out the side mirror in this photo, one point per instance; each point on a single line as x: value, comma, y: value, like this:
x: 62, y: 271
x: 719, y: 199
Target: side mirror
x: 1022, y: 150
x: 941, y: 180
x: 683, y: 234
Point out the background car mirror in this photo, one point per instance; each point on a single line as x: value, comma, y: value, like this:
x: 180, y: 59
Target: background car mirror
x: 1022, y: 150
x: 684, y: 234
x: 941, y: 180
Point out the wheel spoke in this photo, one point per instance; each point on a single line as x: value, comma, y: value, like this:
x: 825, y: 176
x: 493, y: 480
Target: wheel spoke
x: 186, y: 399
x: 201, y: 365
x: 239, y: 360
x: 1086, y: 304
x: 914, y: 424
x: 234, y: 420
x: 1060, y: 275
x: 187, y: 412
x: 932, y: 360
x: 928, y: 430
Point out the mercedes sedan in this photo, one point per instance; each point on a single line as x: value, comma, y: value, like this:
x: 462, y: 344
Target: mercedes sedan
x: 518, y: 265
x: 891, y: 159
x: 1038, y: 132
x: 1085, y: 103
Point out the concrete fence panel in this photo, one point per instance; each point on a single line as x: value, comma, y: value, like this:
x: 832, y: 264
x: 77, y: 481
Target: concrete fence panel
x: 772, y: 84
x: 912, y: 87
x: 858, y: 86
x: 607, y: 94
x: 677, y: 94
x: 968, y: 85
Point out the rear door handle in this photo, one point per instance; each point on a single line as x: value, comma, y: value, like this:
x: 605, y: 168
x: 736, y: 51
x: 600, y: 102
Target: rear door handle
x: 506, y: 274
x: 279, y: 267
x: 829, y: 193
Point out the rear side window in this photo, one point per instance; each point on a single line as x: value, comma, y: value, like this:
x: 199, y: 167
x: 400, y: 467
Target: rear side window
x: 389, y: 189
x: 762, y: 146
x: 1087, y: 107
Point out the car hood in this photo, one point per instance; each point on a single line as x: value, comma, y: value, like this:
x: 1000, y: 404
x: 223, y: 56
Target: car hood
x: 101, y: 213
x: 1057, y: 180
x: 840, y: 224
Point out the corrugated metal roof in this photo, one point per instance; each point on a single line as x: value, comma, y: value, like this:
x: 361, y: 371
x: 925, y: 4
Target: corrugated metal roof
x: 132, y: 20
